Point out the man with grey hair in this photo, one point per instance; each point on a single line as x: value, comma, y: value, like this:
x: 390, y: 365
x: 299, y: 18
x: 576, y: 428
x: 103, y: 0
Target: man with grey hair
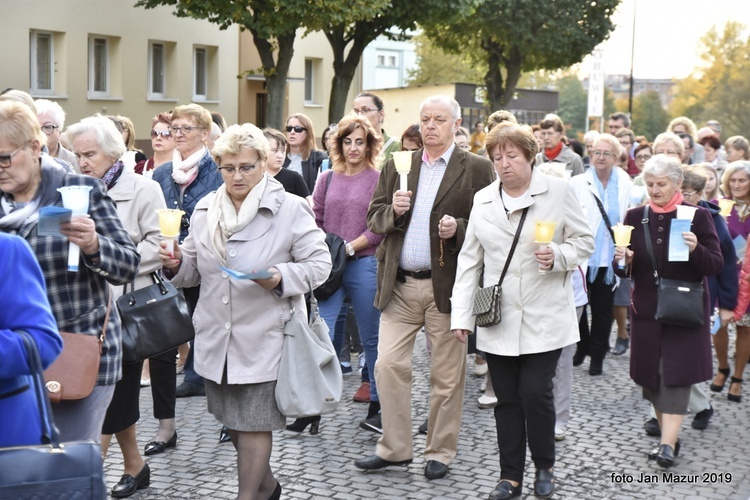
x: 424, y: 228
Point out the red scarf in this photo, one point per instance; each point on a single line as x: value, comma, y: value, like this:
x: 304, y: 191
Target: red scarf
x: 671, y: 205
x: 552, y: 153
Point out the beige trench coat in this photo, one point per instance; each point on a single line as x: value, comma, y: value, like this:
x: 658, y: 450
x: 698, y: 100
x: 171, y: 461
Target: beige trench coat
x: 538, y: 310
x: 237, y: 322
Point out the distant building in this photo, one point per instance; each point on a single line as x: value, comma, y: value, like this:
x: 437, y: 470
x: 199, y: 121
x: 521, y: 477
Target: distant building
x: 386, y: 63
x: 620, y: 87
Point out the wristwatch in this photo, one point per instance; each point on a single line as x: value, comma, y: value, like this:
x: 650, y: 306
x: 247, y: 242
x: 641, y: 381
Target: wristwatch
x: 349, y: 250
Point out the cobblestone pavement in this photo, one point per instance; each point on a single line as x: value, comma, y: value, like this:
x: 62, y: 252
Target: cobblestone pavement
x: 603, y: 455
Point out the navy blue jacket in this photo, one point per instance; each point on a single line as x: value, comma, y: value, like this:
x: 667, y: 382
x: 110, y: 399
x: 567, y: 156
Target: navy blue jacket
x: 723, y: 286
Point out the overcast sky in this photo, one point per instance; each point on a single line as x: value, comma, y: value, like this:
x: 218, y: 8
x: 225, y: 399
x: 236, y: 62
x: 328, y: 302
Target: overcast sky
x: 667, y: 35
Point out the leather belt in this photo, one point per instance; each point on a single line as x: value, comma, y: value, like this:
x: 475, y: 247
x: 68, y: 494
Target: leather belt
x: 417, y: 275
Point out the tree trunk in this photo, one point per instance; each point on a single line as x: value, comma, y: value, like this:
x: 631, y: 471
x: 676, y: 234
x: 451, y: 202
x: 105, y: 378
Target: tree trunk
x: 493, y: 79
x: 345, y: 67
x: 276, y: 73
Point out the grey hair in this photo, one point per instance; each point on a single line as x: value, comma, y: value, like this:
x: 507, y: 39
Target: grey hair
x: 612, y: 141
x: 731, y: 169
x: 238, y: 137
x: 591, y: 135
x: 105, y: 133
x: 455, y: 107
x: 44, y: 106
x: 664, y: 166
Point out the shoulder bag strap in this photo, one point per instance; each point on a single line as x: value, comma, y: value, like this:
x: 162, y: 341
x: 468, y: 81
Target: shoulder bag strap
x: 649, y: 245
x: 513, y: 246
x: 49, y: 431
x: 604, y: 216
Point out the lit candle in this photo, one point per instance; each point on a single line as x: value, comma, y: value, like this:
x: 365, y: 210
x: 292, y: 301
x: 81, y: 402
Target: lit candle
x: 169, y: 225
x: 402, y: 162
x: 543, y: 234
x: 622, y: 239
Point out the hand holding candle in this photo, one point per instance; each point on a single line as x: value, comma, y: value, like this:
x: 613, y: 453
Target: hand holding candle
x: 169, y: 224
x: 76, y: 199
x: 622, y: 239
x: 544, y: 231
x: 402, y: 162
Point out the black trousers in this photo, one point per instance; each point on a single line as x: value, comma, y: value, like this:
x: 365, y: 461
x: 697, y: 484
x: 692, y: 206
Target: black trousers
x: 163, y: 383
x: 525, y: 409
x: 595, y: 342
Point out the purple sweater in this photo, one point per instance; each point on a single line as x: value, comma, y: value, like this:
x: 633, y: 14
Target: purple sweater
x: 342, y: 210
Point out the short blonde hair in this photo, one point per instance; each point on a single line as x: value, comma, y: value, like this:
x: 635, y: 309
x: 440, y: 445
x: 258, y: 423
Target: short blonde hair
x: 200, y: 114
x: 238, y: 137
x: 19, y: 124
x: 516, y: 135
x: 666, y: 137
x: 731, y: 169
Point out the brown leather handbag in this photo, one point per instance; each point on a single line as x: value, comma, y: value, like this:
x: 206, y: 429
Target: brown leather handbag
x: 74, y: 373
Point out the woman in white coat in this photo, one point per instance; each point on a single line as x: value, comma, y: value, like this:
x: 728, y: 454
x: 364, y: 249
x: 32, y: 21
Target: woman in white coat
x: 249, y: 224
x: 538, y: 308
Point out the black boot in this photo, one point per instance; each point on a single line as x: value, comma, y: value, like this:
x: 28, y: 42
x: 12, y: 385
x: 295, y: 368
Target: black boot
x: 300, y: 424
x: 374, y: 409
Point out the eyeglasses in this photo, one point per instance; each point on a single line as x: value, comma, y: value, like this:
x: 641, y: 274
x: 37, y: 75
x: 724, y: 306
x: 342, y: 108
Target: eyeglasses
x: 362, y: 111
x: 668, y: 153
x: 184, y: 130
x: 688, y: 194
x: 165, y: 134
x: 5, y: 160
x: 296, y: 128
x: 605, y: 154
x: 643, y: 157
x: 48, y: 129
x: 244, y: 169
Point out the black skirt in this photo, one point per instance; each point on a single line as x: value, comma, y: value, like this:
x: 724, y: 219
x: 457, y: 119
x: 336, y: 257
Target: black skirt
x: 123, y: 410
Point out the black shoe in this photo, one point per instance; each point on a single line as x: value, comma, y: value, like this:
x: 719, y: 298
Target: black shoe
x: 374, y: 462
x: 665, y: 456
x: 435, y: 469
x: 156, y: 447
x: 129, y: 484
x: 505, y: 490
x: 719, y: 388
x: 300, y: 424
x: 595, y: 368
x: 224, y: 436
x: 700, y: 421
x: 276, y: 495
x: 544, y: 483
x: 374, y: 424
x: 621, y: 346
x: 653, y: 454
x: 423, y: 428
x: 735, y: 398
x: 578, y: 359
x: 652, y: 428
x: 188, y: 389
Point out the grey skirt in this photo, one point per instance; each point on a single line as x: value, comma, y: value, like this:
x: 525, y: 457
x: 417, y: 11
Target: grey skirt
x: 672, y: 400
x: 245, y: 407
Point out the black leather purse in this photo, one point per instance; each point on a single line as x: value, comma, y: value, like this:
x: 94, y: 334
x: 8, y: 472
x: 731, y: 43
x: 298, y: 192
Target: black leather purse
x: 679, y: 302
x: 51, y: 470
x: 155, y: 319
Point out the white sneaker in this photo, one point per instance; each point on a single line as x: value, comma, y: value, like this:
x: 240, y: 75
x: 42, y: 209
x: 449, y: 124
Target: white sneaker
x: 560, y: 433
x: 487, y: 402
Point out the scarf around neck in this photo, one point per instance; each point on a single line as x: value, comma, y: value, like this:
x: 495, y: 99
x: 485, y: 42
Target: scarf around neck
x: 112, y: 175
x: 671, y: 205
x: 185, y: 171
x: 224, y: 220
x: 554, y: 152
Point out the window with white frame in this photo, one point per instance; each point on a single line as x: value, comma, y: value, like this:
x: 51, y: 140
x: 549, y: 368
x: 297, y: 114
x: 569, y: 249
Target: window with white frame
x: 157, y: 70
x: 388, y: 58
x: 200, y: 74
x: 42, y: 63
x: 309, y: 81
x: 99, y: 62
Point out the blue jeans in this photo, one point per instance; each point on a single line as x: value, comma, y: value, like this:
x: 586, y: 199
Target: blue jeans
x: 360, y: 282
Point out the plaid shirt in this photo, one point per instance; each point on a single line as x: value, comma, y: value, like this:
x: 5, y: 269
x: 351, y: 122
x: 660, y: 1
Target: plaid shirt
x: 79, y: 300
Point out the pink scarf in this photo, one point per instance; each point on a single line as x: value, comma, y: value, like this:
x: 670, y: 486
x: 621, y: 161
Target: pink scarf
x: 671, y: 205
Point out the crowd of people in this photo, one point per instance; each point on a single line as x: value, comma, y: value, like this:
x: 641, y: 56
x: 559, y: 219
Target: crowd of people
x: 469, y: 214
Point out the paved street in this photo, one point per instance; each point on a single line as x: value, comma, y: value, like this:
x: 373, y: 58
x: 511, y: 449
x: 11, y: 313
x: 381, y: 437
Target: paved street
x: 605, y: 441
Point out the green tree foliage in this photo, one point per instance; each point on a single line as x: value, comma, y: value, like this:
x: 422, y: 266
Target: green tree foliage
x: 513, y: 36
x: 720, y: 87
x: 393, y: 19
x: 573, y: 104
x: 436, y: 66
x: 649, y: 117
x: 273, y: 24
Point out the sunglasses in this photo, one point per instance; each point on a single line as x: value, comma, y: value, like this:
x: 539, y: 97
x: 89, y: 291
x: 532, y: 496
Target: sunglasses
x: 296, y: 128
x: 166, y: 134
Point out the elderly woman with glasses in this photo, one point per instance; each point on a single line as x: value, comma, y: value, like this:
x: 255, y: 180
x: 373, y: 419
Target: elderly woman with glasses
x: 80, y: 299
x: 555, y: 150
x: 249, y: 224
x: 185, y: 180
x: 52, y: 119
x: 302, y: 155
x: 667, y: 359
x: 604, y: 194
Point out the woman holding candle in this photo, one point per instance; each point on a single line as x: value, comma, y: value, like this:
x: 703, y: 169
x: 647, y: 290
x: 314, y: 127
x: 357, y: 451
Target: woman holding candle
x: 98, y: 145
x: 538, y: 310
x: 79, y: 300
x: 667, y: 359
x: 736, y: 186
x: 603, y: 192
x: 249, y: 223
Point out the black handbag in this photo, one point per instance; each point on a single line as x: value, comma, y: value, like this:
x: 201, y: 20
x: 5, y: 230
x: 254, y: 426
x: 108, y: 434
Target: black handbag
x: 487, y: 300
x: 337, y: 247
x: 155, y: 319
x: 52, y: 470
x: 679, y: 302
